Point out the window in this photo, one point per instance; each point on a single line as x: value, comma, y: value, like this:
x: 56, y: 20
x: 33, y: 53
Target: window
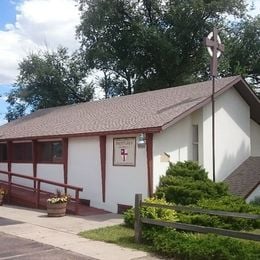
x: 22, y: 152
x: 3, y: 152
x: 195, y: 143
x: 50, y: 152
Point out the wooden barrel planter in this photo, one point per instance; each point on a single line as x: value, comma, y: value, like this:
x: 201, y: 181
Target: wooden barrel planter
x: 56, y: 210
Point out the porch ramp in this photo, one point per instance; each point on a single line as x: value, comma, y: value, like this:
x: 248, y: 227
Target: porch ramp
x: 35, y: 197
x: 26, y: 198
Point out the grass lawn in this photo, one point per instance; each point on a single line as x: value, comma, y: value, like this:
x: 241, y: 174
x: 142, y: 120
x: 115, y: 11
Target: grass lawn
x: 118, y: 234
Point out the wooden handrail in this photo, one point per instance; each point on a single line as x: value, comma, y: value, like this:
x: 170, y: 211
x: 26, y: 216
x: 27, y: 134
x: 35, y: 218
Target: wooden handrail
x: 43, y: 180
x: 38, y: 189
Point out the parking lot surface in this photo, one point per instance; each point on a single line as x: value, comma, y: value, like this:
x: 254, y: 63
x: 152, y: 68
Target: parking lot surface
x: 12, y: 247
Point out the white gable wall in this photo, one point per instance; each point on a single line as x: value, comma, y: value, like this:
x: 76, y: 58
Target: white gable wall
x: 255, y: 138
x: 175, y: 141
x: 254, y: 194
x: 232, y: 134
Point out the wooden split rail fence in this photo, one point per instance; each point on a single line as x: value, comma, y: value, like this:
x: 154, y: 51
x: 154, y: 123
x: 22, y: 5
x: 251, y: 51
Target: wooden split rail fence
x: 139, y: 220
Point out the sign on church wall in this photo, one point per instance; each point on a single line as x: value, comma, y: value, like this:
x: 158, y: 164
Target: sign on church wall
x: 124, y: 151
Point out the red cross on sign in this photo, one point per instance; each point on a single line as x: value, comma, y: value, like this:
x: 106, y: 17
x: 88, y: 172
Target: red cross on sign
x: 124, y: 154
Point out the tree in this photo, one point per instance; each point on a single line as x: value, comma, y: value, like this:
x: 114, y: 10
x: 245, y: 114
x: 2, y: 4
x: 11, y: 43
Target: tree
x: 48, y: 79
x: 242, y: 54
x: 112, y: 85
x: 150, y: 43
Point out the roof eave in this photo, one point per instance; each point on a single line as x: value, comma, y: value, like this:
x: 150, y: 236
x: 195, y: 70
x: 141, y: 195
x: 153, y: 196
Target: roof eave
x: 156, y: 129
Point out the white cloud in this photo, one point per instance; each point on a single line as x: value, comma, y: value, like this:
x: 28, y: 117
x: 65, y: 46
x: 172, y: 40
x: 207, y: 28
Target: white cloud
x: 39, y: 23
x: 254, y: 7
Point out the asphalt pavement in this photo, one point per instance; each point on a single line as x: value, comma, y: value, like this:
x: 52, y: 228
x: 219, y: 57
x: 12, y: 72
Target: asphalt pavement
x: 30, y: 234
x: 13, y: 247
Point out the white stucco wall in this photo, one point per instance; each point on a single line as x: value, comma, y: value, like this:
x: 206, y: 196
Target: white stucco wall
x: 175, y: 141
x: 255, y: 138
x: 254, y: 194
x: 3, y: 167
x: 232, y: 134
x: 52, y: 172
x: 84, y: 167
x: 24, y: 169
x: 123, y: 182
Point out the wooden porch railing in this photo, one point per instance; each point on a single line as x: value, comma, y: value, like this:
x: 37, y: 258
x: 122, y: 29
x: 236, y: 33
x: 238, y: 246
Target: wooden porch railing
x: 37, y: 187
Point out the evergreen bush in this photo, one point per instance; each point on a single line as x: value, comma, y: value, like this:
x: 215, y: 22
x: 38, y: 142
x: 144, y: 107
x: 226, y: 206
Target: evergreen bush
x: 186, y: 183
x: 152, y: 212
x: 182, y: 245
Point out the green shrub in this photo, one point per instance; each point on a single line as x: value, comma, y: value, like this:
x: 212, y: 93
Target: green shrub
x: 186, y: 183
x: 226, y: 203
x: 187, y: 169
x: 218, y: 221
x: 152, y: 212
x: 197, y: 246
x: 229, y: 203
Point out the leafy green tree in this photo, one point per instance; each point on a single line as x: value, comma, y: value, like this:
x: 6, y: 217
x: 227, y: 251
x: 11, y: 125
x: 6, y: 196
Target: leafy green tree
x: 149, y: 44
x: 242, y: 55
x: 48, y: 79
x: 111, y: 85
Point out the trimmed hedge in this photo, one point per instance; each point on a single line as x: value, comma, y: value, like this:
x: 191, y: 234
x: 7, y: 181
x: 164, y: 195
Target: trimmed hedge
x: 199, y: 246
x: 152, y: 212
x: 186, y: 183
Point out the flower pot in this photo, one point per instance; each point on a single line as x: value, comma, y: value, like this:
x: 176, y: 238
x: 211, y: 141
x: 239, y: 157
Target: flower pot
x: 56, y: 210
x: 1, y: 199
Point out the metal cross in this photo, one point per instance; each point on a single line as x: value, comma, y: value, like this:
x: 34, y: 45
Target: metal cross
x: 215, y: 48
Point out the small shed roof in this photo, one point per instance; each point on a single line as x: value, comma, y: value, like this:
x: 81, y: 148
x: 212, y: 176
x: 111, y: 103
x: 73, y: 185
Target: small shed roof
x: 245, y: 178
x: 150, y: 111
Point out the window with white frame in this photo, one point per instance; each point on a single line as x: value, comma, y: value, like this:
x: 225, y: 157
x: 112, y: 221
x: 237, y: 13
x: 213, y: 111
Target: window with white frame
x: 195, y: 143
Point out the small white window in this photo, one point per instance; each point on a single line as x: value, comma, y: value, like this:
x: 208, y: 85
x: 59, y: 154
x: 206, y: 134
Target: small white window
x: 195, y: 143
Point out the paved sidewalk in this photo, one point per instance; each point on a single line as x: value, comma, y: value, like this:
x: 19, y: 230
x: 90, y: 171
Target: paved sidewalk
x: 62, y: 232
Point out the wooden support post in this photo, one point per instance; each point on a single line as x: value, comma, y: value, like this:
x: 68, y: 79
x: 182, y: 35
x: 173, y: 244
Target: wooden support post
x: 9, y: 186
x: 138, y: 222
x: 149, y: 151
x: 34, y: 148
x: 38, y: 194
x: 65, y: 161
x: 77, y: 202
x: 102, y: 145
x: 9, y: 156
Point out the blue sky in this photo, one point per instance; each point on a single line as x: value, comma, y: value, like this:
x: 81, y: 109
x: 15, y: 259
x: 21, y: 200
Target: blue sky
x: 8, y: 12
x: 31, y: 25
x: 28, y: 26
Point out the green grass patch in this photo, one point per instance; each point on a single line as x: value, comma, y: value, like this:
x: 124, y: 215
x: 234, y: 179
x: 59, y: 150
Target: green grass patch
x: 119, y: 234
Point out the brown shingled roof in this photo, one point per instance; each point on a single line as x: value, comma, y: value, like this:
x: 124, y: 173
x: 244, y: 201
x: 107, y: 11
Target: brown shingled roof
x: 245, y: 178
x: 147, y: 112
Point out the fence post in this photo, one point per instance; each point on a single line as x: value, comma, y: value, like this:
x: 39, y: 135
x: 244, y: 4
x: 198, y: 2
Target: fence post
x: 138, y: 223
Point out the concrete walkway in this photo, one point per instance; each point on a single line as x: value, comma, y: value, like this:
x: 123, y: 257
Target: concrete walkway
x: 62, y: 232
